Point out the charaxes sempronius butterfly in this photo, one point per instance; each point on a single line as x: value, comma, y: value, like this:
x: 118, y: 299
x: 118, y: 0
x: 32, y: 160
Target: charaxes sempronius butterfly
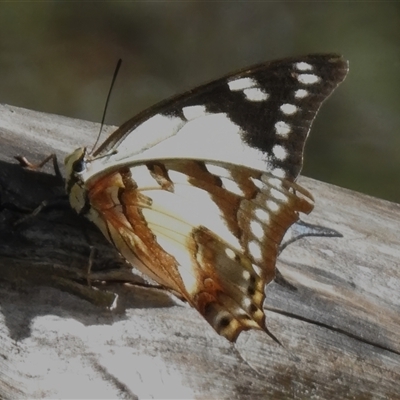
x: 198, y: 191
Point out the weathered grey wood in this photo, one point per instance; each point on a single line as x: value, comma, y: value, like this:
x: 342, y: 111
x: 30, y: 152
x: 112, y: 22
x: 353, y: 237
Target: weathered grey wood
x: 340, y: 330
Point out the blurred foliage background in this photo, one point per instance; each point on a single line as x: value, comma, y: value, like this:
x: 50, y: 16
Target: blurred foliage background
x: 58, y: 57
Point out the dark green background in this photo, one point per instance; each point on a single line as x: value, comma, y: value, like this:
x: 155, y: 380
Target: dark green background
x: 59, y: 57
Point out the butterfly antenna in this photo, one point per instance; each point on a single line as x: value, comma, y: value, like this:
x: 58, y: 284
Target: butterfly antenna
x: 107, y: 100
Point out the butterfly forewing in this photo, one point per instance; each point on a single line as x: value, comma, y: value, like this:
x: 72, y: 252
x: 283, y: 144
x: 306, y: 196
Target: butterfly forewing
x: 198, y: 191
x: 265, y: 131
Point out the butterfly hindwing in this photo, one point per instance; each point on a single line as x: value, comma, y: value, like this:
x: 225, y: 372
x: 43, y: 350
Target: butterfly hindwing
x: 216, y: 247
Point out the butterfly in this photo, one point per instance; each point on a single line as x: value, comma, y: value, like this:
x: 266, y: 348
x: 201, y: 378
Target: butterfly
x: 198, y: 191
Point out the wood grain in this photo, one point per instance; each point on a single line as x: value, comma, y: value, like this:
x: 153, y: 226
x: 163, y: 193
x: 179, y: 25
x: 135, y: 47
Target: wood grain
x: 63, y: 334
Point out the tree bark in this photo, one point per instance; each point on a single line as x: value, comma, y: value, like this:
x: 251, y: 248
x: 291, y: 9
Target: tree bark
x: 68, y: 333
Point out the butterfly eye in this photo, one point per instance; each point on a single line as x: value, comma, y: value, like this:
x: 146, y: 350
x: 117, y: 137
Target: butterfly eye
x: 79, y: 165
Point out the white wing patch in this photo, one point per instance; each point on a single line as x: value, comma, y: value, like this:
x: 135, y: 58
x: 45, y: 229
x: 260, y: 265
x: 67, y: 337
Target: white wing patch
x: 230, y: 253
x: 218, y: 170
x: 300, y: 93
x: 288, y: 109
x: 282, y: 129
x: 308, y: 79
x: 257, y: 230
x: 204, y: 138
x: 255, y: 94
x: 279, y: 152
x: 262, y: 215
x: 303, y: 66
x: 190, y: 206
x: 274, y: 181
x: 276, y: 194
x: 142, y: 177
x: 231, y: 186
x: 255, y: 250
x: 257, y: 183
x: 250, y: 89
x: 193, y: 112
x: 150, y: 133
x: 272, y: 206
x: 242, y: 83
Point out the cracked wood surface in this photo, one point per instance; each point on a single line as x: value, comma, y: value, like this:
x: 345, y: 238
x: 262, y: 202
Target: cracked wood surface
x: 62, y: 337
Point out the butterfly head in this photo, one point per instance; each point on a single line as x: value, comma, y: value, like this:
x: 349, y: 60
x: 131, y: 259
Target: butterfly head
x: 76, y: 165
x: 76, y: 161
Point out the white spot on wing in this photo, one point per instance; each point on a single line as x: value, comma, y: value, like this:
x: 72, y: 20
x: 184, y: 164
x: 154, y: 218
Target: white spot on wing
x: 255, y: 250
x: 241, y: 84
x: 257, y: 270
x: 303, y: 66
x: 232, y: 186
x: 282, y: 128
x: 308, y: 79
x: 246, y: 275
x: 230, y: 253
x: 142, y: 177
x: 193, y: 112
x: 262, y: 215
x: 217, y: 170
x: 276, y: 194
x: 246, y: 302
x: 255, y: 94
x: 271, y: 181
x: 279, y: 152
x: 279, y: 172
x: 272, y: 205
x: 256, y: 229
x: 257, y: 183
x: 300, y: 93
x: 288, y: 109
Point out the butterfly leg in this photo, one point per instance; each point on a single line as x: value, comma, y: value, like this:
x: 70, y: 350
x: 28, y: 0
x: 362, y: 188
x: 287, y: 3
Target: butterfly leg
x: 90, y: 264
x: 45, y: 204
x: 25, y: 163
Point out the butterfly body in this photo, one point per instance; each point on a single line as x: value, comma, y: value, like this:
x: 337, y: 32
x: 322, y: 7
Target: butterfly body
x: 198, y: 191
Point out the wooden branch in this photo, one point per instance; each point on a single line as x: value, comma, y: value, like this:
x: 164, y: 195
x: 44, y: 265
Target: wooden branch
x: 340, y: 330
